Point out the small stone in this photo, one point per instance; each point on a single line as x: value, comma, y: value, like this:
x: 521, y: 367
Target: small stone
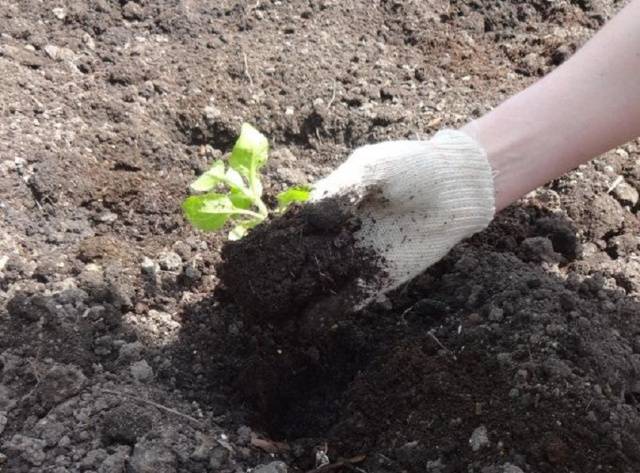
x: 273, y: 467
x: 170, y: 261
x: 88, y: 40
x: 132, y: 11
x: 150, y: 456
x: 479, y: 438
x: 59, y: 54
x: 149, y: 267
x: 211, y: 114
x: 626, y: 194
x: 191, y: 273
x: 59, y: 13
x: 106, y: 217
x: 141, y: 371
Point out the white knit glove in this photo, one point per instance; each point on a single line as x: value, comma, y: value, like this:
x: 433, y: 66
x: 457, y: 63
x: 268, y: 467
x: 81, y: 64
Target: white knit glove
x: 416, y: 199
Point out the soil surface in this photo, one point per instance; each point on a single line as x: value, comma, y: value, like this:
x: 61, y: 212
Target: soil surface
x: 519, y: 352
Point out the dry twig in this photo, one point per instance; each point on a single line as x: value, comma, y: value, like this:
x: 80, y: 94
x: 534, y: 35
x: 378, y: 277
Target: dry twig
x: 156, y: 405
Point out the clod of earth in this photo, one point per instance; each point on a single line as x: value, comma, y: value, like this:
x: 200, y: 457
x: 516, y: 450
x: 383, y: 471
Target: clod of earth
x: 285, y: 266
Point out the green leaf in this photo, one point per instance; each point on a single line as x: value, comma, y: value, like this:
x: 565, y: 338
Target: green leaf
x: 293, y: 194
x: 242, y: 228
x: 240, y: 199
x: 237, y: 232
x: 234, y: 179
x: 208, y: 211
x: 249, y: 153
x: 210, y: 178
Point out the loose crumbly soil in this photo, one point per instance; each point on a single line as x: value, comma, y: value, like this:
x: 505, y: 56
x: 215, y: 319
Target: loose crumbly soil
x: 294, y: 262
x: 520, y: 351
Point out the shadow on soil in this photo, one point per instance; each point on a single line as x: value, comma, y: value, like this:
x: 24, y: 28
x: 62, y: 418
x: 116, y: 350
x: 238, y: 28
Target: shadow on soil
x: 511, y: 332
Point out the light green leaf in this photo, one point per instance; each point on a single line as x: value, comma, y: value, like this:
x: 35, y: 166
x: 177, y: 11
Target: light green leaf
x: 249, y: 153
x: 208, y: 211
x: 293, y: 194
x: 236, y: 233
x: 217, y: 168
x: 242, y: 228
x: 216, y: 204
x: 209, y: 179
x: 240, y: 199
x: 234, y: 178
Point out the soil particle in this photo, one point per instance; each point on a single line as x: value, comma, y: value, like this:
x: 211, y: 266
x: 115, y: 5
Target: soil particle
x: 60, y: 383
x: 151, y: 456
x: 28, y: 307
x: 479, y: 438
x: 169, y: 261
x: 539, y: 249
x: 219, y: 458
x: 50, y: 431
x: 115, y: 463
x: 141, y: 371
x: 31, y: 449
x: 126, y: 424
x: 626, y: 194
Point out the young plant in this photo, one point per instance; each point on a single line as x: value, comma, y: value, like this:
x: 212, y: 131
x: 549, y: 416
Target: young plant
x: 232, y: 191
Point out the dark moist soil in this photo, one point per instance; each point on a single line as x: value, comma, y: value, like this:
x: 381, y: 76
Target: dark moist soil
x: 119, y: 350
x: 296, y: 260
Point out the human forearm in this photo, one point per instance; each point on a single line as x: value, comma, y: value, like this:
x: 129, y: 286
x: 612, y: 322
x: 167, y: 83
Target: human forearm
x: 586, y: 106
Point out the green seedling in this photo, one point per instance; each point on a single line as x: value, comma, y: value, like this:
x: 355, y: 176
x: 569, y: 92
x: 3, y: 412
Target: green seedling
x: 232, y: 191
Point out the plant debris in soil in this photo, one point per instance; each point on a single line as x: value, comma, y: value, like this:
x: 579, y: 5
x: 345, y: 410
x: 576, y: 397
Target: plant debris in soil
x: 296, y: 260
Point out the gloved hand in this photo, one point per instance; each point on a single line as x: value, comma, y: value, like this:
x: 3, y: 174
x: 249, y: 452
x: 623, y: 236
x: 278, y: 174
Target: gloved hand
x: 416, y: 199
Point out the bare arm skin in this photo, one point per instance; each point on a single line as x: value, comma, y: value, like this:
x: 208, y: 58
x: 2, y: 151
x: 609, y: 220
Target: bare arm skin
x: 583, y: 108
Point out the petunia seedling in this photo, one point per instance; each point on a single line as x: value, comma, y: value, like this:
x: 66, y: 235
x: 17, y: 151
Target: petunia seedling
x: 231, y: 192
